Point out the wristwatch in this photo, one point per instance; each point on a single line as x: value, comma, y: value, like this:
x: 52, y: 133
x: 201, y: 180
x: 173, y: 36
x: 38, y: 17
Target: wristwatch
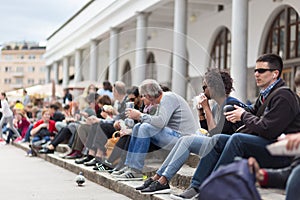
x: 142, y: 117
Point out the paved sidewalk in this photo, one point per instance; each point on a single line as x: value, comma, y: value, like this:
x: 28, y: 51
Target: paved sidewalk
x: 30, y: 178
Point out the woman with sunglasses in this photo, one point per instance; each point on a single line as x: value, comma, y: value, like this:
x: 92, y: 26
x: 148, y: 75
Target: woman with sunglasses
x: 217, y: 86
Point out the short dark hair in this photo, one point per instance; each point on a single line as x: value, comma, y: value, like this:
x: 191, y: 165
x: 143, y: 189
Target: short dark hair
x: 54, y: 106
x: 107, y: 85
x: 274, y: 61
x: 219, y: 81
x: 133, y: 90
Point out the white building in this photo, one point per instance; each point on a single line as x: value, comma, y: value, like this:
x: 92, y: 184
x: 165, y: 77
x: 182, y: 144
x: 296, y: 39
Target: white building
x: 175, y: 41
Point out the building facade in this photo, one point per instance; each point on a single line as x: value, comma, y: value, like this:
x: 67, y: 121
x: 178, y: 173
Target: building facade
x: 21, y: 65
x: 175, y: 41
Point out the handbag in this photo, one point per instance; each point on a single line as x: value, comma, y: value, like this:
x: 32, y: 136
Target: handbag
x: 111, y: 142
x: 43, y: 132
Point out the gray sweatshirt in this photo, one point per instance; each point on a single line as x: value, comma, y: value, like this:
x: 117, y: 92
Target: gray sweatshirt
x: 175, y: 113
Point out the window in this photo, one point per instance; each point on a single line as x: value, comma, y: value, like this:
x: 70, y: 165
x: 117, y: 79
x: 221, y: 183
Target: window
x: 284, y: 35
x: 151, y: 71
x: 42, y: 69
x: 283, y: 39
x: 7, y: 69
x: 19, y: 81
x: 19, y: 69
x: 42, y: 81
x: 30, y: 81
x: 220, y: 55
x: 31, y: 69
x: 7, y: 81
x: 31, y: 57
x: 8, y: 57
x: 126, y: 78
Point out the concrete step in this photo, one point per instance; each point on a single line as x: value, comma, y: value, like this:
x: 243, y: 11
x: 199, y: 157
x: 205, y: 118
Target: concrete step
x: 179, y: 182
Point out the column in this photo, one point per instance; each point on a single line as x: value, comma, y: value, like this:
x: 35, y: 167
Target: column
x: 141, y: 48
x: 77, y: 66
x: 179, y: 73
x: 55, y: 72
x: 93, y: 60
x: 65, y: 82
x: 113, y: 54
x: 48, y: 73
x: 239, y: 47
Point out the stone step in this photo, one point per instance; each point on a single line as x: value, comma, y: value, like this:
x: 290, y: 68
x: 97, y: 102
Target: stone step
x: 179, y: 182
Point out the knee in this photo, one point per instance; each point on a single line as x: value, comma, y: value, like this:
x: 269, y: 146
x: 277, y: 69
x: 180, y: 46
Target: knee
x: 145, y: 129
x: 236, y: 138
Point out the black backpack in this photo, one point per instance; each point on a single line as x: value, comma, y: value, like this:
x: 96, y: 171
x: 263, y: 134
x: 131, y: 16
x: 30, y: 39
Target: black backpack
x: 233, y: 181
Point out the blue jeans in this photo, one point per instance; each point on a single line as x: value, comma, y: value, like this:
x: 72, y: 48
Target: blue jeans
x: 292, y: 186
x: 222, y: 149
x: 142, y: 135
x: 179, y: 154
x: 27, y: 134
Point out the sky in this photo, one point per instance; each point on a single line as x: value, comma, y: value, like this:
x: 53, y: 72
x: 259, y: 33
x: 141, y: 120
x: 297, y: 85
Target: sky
x: 34, y: 20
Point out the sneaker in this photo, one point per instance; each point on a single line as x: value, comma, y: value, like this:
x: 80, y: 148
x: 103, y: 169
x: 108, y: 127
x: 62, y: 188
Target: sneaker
x: 84, y: 159
x: 73, y: 155
x: 101, y: 167
x: 30, y: 153
x: 18, y: 140
x: 130, y: 175
x: 157, y: 188
x: 146, y: 184
x: 119, y: 172
x: 189, y: 193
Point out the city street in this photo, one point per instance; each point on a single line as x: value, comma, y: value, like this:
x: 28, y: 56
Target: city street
x: 28, y: 178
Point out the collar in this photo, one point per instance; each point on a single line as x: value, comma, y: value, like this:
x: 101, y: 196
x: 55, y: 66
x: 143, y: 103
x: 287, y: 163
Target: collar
x: 266, y: 91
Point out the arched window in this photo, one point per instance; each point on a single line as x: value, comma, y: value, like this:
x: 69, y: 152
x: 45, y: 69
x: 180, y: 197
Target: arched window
x: 151, y: 71
x: 283, y: 39
x: 220, y: 55
x: 126, y: 75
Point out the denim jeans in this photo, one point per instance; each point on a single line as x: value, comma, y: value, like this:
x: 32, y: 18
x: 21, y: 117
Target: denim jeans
x: 292, y: 186
x: 9, y: 120
x: 179, y: 154
x: 142, y: 135
x: 27, y: 134
x: 222, y: 149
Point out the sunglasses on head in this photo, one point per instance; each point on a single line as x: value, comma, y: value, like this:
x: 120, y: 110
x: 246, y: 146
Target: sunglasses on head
x: 262, y: 70
x: 204, y: 87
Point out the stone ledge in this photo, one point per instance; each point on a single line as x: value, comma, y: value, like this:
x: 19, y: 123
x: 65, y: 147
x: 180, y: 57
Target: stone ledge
x: 179, y: 182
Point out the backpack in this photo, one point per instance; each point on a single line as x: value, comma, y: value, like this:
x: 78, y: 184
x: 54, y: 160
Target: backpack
x: 233, y: 181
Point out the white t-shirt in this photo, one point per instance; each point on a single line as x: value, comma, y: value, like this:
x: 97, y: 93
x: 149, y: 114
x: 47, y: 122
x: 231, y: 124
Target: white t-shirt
x: 6, y: 111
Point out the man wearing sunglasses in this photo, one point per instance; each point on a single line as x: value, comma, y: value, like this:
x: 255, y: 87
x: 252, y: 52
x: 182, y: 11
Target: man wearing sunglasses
x: 278, y: 117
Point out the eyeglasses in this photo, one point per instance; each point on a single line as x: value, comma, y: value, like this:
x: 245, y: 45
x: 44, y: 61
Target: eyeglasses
x: 263, y: 70
x: 204, y: 87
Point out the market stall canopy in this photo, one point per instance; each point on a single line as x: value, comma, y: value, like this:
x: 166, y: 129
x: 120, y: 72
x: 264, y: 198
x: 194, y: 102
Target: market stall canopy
x: 83, y: 84
x: 36, y: 91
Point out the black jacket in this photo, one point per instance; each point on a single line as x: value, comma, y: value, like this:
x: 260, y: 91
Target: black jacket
x: 282, y: 115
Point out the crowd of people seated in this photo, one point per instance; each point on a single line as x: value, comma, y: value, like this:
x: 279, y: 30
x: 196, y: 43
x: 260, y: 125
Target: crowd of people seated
x: 151, y: 116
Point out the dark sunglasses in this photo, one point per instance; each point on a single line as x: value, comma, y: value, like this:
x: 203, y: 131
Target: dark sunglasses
x: 204, y: 87
x: 262, y: 70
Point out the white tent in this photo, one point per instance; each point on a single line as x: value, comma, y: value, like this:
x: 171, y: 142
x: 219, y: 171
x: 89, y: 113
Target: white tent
x: 36, y: 91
